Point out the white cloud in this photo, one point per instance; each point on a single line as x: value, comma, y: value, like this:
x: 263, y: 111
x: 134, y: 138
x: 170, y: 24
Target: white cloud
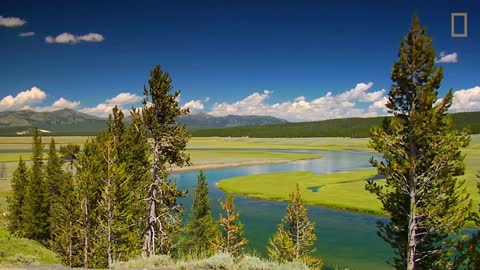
x: 22, y: 100
x: 11, y: 21
x: 359, y: 93
x: 379, y: 106
x: 65, y: 104
x: 447, y: 58
x: 124, y: 99
x: 300, y: 109
x: 194, y: 105
x: 104, y: 109
x: 466, y: 100
x: 26, y: 34
x: 61, y: 103
x: 67, y: 38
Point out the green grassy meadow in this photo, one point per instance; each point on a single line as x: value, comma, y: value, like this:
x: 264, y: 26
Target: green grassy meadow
x: 15, y: 251
x: 343, y: 190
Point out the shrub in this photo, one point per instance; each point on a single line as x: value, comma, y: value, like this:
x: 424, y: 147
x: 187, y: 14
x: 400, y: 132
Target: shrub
x: 142, y: 262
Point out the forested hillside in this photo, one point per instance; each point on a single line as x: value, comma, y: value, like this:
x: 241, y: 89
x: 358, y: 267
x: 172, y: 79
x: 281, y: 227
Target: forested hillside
x: 346, y: 127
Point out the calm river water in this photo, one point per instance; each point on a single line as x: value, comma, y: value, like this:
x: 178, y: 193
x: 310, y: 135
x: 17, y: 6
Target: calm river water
x: 343, y: 238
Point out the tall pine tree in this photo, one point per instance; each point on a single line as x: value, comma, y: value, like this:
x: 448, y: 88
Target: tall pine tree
x: 421, y: 155
x: 65, y: 224
x: 16, y: 201
x: 54, y: 177
x: 295, y: 236
x: 232, y: 239
x: 36, y: 208
x: 134, y: 154
x: 160, y: 112
x: 87, y: 194
x: 199, y: 234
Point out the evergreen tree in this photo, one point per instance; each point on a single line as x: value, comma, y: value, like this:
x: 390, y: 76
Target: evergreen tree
x: 16, y: 201
x: 160, y: 112
x: 54, y: 176
x: 421, y: 155
x: 199, y: 234
x: 65, y: 226
x: 134, y: 155
x: 36, y: 208
x: 232, y: 239
x: 87, y: 194
x: 295, y: 236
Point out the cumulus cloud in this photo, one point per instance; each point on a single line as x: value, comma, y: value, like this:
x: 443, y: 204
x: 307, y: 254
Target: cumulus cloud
x: 194, y: 105
x: 121, y: 100
x: 124, y: 99
x: 350, y: 103
x: 447, y: 58
x: 61, y: 103
x: 26, y: 34
x: 11, y: 21
x: 67, y: 38
x: 466, y: 100
x: 22, y: 100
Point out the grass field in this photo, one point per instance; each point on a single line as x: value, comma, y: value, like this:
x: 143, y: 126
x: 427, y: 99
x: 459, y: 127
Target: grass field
x: 206, y: 149
x: 15, y: 251
x: 344, y: 190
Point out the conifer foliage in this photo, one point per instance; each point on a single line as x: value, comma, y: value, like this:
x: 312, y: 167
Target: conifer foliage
x: 36, y: 207
x: 16, y: 201
x: 421, y: 157
x: 232, y: 239
x: 295, y: 236
x: 160, y: 112
x: 198, y: 235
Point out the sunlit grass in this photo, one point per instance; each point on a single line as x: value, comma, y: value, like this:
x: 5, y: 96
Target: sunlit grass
x: 343, y: 190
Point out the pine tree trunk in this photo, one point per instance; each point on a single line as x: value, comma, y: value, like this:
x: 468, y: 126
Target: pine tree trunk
x: 412, y: 222
x: 149, y: 244
x: 412, y: 233
x: 70, y: 246
x: 85, y: 235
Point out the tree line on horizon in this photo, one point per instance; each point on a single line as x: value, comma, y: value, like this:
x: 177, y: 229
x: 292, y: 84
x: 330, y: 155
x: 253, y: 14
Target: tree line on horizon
x: 116, y: 203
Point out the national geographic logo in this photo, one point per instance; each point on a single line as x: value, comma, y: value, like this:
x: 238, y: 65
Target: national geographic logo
x: 459, y: 20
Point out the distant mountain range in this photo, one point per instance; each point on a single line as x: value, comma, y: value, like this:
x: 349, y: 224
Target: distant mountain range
x: 71, y: 122
x: 67, y: 122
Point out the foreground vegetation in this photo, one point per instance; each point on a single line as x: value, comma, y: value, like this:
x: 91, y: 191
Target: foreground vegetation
x: 14, y: 250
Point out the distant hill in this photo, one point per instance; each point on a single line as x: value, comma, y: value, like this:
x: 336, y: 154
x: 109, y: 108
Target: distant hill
x: 204, y: 120
x: 60, y: 122
x: 66, y: 122
x: 345, y: 127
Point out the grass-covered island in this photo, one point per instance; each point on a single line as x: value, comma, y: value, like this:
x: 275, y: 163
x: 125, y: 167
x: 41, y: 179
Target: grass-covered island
x: 342, y: 190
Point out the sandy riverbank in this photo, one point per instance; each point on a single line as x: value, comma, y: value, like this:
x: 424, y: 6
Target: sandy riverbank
x: 209, y: 166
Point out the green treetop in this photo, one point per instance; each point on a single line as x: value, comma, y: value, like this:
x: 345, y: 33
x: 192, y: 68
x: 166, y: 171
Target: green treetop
x: 295, y: 236
x: 421, y: 155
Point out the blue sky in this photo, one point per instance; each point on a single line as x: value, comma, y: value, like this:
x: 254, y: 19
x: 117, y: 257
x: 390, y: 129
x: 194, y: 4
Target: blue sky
x: 299, y: 60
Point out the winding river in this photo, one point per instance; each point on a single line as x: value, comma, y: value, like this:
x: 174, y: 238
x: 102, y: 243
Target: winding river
x: 344, y: 239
